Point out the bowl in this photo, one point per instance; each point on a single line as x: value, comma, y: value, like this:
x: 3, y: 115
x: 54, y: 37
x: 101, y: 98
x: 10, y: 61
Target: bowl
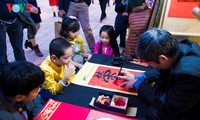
x: 117, y: 61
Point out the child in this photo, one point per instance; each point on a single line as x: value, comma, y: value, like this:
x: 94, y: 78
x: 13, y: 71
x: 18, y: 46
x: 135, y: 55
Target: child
x: 107, y: 45
x: 19, y: 86
x: 57, y: 68
x: 70, y: 30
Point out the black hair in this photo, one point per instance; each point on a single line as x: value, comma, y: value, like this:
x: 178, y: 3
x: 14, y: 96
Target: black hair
x: 69, y: 24
x: 155, y: 42
x: 20, y: 78
x: 57, y: 46
x: 113, y: 42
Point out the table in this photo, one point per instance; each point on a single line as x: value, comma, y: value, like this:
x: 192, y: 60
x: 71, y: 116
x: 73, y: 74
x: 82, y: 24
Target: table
x: 81, y: 95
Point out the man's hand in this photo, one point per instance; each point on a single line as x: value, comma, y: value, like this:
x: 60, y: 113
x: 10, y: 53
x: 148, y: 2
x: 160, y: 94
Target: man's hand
x: 129, y: 79
x: 128, y: 84
x: 61, y: 13
x: 124, y: 74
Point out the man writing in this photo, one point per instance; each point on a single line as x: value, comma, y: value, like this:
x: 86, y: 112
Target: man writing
x: 175, y: 94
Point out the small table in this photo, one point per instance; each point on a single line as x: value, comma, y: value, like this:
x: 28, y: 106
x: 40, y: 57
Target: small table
x: 81, y: 95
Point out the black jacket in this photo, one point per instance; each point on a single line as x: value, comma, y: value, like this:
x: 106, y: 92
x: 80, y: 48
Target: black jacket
x: 119, y: 7
x: 177, y: 91
x: 120, y: 20
x: 5, y: 13
x: 64, y: 4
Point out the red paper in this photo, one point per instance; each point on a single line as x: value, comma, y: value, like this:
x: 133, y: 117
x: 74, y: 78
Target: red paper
x: 182, y: 9
x: 55, y: 110
x: 105, y: 77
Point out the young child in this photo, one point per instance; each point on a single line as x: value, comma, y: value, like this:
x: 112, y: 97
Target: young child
x: 70, y: 30
x: 57, y: 68
x: 19, y: 86
x: 107, y: 45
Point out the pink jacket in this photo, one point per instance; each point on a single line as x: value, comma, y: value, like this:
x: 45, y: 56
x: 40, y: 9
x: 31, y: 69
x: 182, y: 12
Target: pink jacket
x: 106, y: 49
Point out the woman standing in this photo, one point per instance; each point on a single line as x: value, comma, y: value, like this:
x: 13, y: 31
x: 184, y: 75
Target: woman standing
x: 31, y: 43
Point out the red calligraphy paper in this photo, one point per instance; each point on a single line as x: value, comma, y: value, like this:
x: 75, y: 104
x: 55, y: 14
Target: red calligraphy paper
x: 106, y: 76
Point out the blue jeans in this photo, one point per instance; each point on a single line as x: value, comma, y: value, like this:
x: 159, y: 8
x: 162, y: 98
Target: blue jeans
x: 46, y: 95
x: 36, y: 107
x: 15, y: 33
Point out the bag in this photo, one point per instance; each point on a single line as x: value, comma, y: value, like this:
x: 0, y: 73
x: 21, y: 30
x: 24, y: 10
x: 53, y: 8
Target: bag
x: 57, y: 26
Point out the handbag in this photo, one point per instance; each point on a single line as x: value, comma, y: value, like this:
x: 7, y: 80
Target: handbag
x: 57, y: 26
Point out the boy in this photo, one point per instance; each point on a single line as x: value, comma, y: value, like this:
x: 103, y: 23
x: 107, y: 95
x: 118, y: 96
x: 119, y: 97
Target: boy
x: 57, y: 68
x: 19, y: 86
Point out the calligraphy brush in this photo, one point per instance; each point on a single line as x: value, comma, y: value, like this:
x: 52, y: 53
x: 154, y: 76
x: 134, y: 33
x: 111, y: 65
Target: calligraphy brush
x: 120, y: 69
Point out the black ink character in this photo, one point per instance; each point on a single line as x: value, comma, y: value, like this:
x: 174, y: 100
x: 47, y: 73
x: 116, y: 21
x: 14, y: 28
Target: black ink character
x: 106, y: 75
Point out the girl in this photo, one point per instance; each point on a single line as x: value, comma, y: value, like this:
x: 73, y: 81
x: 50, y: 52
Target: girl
x: 70, y: 30
x: 107, y: 45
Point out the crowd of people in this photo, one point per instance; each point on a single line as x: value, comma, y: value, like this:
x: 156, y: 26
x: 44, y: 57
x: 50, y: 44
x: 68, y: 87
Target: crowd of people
x: 171, y: 87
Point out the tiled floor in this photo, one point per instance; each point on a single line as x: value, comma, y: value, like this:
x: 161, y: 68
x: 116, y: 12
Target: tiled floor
x: 46, y: 32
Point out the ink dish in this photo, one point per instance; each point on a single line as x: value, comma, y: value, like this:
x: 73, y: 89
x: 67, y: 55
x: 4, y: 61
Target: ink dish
x: 110, y: 102
x: 117, y: 61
